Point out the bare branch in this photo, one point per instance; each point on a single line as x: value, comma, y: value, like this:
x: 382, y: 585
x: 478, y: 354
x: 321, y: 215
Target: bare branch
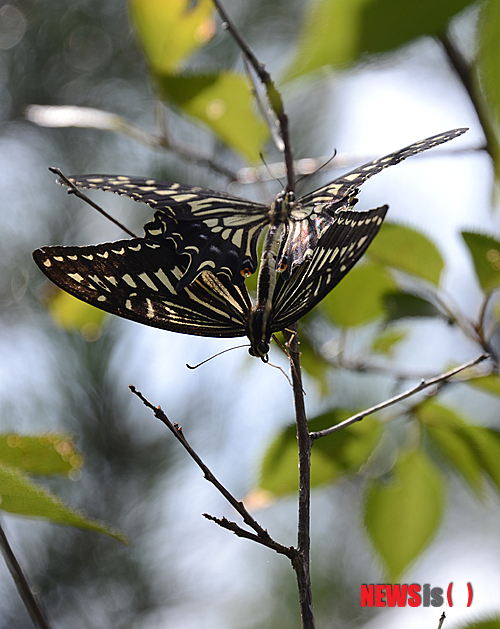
x: 463, y: 70
x: 402, y: 396
x: 89, y: 118
x: 72, y: 189
x: 32, y: 605
x: 302, y: 560
x: 441, y: 620
x: 291, y: 552
x: 176, y: 430
x: 273, y: 94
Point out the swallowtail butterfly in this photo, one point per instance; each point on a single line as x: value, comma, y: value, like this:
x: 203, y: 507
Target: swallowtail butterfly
x: 219, y: 232
x: 136, y: 279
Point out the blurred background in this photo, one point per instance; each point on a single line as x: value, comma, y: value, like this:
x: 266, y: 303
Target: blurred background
x: 180, y: 570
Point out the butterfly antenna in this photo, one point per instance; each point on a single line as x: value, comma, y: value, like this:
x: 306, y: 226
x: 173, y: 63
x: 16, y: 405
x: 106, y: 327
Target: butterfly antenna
x: 78, y: 193
x: 317, y: 170
x: 269, y: 170
x: 215, y: 356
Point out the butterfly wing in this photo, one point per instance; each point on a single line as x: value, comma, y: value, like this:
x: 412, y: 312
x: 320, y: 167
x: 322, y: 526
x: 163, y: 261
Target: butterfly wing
x: 218, y: 231
x: 136, y: 278
x: 315, y: 211
x: 341, y: 246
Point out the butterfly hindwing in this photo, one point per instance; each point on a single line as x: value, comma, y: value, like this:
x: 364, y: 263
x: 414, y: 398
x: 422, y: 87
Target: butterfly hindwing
x: 315, y: 211
x: 341, y: 246
x: 135, y: 279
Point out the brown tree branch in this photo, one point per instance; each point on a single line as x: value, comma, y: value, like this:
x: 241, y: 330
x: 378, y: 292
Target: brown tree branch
x: 402, y: 396
x: 301, y: 563
x: 72, y: 189
x: 32, y: 605
x: 464, y: 73
x: 262, y: 534
x: 273, y: 95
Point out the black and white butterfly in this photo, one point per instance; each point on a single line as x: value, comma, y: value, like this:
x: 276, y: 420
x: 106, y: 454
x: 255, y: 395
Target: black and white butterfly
x: 137, y: 279
x: 218, y: 232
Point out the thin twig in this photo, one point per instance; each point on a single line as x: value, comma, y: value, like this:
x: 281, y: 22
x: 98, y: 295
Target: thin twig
x: 78, y: 193
x: 402, y: 396
x: 302, y: 561
x: 263, y: 536
x: 441, y: 620
x: 239, y: 532
x: 32, y: 605
x: 273, y: 94
x: 54, y: 116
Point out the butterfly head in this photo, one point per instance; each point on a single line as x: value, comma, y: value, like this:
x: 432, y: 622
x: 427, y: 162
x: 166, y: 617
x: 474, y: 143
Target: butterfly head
x: 258, y: 334
x: 261, y: 350
x: 282, y: 207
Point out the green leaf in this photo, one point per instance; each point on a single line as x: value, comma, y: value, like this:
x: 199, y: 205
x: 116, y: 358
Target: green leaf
x: 400, y: 305
x: 359, y: 298
x: 453, y: 438
x: 21, y: 496
x: 487, y: 623
x: 169, y: 32
x: 338, y: 33
x: 384, y: 342
x: 488, y: 63
x: 485, y: 251
x: 339, y: 454
x: 224, y: 102
x: 44, y: 454
x: 407, y: 250
x: 72, y: 314
x: 472, y: 450
x: 487, y: 446
x: 402, y: 514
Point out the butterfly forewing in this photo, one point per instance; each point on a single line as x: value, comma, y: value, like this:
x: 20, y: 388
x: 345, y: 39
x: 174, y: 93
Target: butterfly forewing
x: 315, y: 211
x: 135, y: 279
x: 342, y: 245
x: 218, y: 231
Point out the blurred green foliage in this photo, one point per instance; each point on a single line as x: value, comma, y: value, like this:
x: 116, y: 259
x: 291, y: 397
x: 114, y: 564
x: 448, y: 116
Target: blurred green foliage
x: 86, y: 53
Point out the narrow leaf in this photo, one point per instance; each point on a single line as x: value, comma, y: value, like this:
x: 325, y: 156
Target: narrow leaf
x: 402, y: 514
x: 407, y: 250
x: 21, y: 496
x: 485, y: 251
x: 44, y: 454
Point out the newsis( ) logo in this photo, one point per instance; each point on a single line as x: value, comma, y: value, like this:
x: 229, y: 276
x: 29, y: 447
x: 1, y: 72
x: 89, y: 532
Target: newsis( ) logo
x: 413, y: 594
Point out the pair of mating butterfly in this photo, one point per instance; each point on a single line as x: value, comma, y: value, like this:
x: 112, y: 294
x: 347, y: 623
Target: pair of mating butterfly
x: 187, y: 273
